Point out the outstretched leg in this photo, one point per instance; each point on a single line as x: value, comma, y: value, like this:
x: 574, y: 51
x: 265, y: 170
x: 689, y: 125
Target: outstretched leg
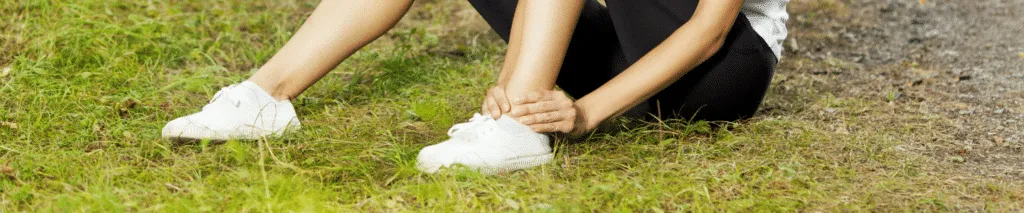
x: 334, y: 31
x: 262, y: 106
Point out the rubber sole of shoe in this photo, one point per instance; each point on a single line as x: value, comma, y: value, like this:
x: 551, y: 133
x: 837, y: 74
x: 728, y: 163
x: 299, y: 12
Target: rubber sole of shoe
x: 519, y: 163
x: 510, y: 165
x: 265, y: 134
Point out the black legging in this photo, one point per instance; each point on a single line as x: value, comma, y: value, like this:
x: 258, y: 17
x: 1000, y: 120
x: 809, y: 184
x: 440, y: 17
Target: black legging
x: 728, y: 86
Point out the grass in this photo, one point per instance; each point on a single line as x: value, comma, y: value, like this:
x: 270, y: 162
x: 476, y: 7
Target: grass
x: 91, y: 83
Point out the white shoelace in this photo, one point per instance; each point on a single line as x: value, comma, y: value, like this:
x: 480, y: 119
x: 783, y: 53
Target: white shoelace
x: 223, y: 97
x: 476, y: 121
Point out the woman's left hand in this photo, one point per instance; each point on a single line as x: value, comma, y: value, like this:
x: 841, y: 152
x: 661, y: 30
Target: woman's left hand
x: 548, y: 111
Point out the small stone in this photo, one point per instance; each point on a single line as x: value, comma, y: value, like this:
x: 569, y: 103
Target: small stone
x: 830, y: 110
x: 128, y: 135
x: 963, y: 77
x: 957, y: 159
x: 172, y: 187
x: 512, y: 203
x: 850, y: 37
x: 8, y: 172
x: 792, y: 45
x: 932, y: 34
x: 11, y: 125
x: 999, y: 111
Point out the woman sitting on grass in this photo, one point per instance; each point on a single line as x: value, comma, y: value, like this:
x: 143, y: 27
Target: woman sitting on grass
x: 704, y: 60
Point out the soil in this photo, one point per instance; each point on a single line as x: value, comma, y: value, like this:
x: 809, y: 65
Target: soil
x: 962, y: 61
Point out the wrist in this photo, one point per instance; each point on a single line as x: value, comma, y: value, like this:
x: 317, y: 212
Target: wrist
x: 585, y: 120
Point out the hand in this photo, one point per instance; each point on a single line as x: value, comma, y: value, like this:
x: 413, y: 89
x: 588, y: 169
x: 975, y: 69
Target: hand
x: 496, y: 103
x: 548, y: 111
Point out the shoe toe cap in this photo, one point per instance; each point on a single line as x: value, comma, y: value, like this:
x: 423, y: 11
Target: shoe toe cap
x: 174, y: 128
x: 430, y: 159
x: 184, y: 128
x: 433, y: 157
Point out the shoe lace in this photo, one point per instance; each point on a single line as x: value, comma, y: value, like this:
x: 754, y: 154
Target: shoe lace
x: 474, y: 122
x: 223, y: 98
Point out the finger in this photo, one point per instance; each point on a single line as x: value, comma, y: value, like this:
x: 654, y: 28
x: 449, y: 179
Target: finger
x: 493, y: 109
x: 562, y: 126
x: 533, y: 108
x: 539, y: 118
x: 540, y: 107
x: 530, y: 97
x: 548, y: 117
x: 567, y: 126
x: 484, y: 109
x: 545, y: 127
x: 566, y: 122
x: 500, y: 99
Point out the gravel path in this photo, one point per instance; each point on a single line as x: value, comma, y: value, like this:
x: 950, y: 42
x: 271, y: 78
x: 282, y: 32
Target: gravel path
x: 963, y: 60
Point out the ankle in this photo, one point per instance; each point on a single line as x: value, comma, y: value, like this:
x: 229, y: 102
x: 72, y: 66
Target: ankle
x: 279, y: 96
x: 273, y: 88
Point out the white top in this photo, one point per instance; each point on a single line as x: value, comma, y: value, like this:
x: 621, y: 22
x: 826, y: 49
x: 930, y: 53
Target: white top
x: 768, y: 18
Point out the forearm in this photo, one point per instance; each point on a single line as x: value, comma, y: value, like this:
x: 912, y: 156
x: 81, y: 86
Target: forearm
x: 540, y: 36
x: 687, y: 47
x: 334, y: 31
x: 512, y: 51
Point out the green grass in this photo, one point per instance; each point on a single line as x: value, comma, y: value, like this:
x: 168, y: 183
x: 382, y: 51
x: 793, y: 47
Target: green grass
x: 92, y: 82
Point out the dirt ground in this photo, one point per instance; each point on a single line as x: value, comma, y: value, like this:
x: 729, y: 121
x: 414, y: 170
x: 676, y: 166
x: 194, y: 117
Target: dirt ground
x: 962, y: 61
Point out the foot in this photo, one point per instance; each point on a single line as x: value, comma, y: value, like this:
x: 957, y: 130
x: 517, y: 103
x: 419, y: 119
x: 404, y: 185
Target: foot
x: 489, y: 146
x: 242, y: 111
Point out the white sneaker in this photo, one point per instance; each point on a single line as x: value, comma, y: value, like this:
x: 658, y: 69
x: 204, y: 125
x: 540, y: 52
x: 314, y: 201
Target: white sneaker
x: 241, y: 111
x: 489, y: 146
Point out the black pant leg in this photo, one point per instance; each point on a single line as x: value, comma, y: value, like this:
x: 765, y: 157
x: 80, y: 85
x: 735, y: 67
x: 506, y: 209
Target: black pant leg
x: 594, y: 55
x: 728, y: 86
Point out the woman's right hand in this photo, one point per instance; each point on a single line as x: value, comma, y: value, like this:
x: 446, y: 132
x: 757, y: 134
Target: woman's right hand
x: 496, y: 103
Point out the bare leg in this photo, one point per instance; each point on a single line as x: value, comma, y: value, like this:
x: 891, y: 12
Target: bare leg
x: 334, y: 31
x: 512, y: 52
x: 540, y: 36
